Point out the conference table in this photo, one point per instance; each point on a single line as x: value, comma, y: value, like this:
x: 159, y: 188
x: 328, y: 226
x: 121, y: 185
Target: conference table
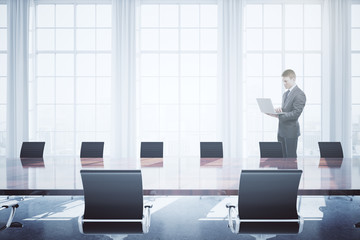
x: 176, y: 176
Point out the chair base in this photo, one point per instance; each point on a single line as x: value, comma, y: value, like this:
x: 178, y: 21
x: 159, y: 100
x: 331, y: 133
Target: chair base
x: 350, y: 198
x: 263, y: 236
x: 16, y: 225
x: 118, y: 236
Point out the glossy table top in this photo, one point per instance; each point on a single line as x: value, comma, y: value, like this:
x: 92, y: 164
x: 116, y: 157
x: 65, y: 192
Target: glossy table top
x: 176, y: 176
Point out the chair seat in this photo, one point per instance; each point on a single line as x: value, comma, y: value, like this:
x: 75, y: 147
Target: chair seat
x: 112, y: 228
x: 269, y: 227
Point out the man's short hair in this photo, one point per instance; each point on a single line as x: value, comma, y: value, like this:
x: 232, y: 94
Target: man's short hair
x: 289, y: 73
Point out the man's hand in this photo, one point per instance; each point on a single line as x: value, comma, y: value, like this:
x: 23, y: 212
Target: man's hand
x: 278, y: 110
x: 272, y: 115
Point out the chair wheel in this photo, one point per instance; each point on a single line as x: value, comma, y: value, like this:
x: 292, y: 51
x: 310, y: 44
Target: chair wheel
x: 357, y: 225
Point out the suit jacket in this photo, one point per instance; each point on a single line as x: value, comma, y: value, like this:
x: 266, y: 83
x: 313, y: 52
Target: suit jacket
x: 292, y: 107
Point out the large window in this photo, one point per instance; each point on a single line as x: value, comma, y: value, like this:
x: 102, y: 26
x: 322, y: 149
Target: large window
x: 355, y: 77
x: 177, y: 76
x: 278, y: 37
x: 3, y: 76
x: 70, y: 76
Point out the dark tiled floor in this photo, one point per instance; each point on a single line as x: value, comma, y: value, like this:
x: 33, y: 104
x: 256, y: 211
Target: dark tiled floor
x: 181, y: 218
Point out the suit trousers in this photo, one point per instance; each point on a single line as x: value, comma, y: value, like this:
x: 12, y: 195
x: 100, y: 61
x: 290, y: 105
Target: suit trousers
x: 289, y: 146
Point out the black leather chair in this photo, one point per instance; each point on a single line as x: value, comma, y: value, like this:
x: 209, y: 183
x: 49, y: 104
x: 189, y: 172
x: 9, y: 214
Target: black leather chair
x: 113, y: 203
x: 266, y: 203
x: 211, y: 150
x: 35, y: 151
x: 12, y: 205
x: 271, y: 150
x: 92, y: 150
x: 152, y: 150
x: 32, y: 150
x: 331, y: 150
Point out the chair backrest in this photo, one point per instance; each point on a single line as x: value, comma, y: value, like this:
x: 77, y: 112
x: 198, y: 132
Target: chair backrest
x: 331, y: 150
x: 32, y: 150
x: 271, y: 150
x: 268, y: 194
x: 92, y: 150
x: 152, y: 150
x: 211, y: 150
x: 112, y: 194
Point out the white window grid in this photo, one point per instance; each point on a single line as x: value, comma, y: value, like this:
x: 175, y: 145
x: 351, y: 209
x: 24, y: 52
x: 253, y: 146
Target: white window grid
x: 355, y: 76
x: 177, y: 142
x: 72, y: 136
x: 3, y: 77
x: 310, y: 131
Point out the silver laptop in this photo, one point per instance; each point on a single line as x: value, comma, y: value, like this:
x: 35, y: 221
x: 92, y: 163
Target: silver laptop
x: 266, y: 106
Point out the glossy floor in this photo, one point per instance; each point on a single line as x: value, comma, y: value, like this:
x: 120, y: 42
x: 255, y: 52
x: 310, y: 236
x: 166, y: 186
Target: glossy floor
x: 182, y: 218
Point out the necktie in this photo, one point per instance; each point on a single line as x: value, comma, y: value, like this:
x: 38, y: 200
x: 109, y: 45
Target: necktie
x: 286, y: 95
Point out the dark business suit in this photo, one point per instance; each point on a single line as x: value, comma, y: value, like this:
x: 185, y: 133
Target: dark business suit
x: 289, y: 129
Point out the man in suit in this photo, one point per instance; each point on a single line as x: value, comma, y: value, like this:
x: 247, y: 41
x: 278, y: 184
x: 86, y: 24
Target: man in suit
x: 293, y: 103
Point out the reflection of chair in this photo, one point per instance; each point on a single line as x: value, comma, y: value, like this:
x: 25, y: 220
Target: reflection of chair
x: 211, y: 150
x: 92, y: 150
x: 330, y: 163
x: 271, y: 150
x: 92, y: 163
x: 267, y: 203
x: 32, y: 162
x: 32, y: 150
x: 152, y: 150
x: 12, y: 205
x: 330, y: 150
x: 278, y: 163
x: 113, y: 202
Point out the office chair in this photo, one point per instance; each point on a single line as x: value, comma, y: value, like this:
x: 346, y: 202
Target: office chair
x: 35, y: 151
x: 266, y: 204
x: 13, y: 205
x: 152, y: 150
x: 331, y: 150
x: 32, y: 150
x: 92, y: 150
x: 271, y: 150
x: 211, y: 150
x: 113, y: 203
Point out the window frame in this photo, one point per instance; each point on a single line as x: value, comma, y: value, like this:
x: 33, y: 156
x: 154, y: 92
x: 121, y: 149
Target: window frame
x: 264, y: 134
x: 95, y: 106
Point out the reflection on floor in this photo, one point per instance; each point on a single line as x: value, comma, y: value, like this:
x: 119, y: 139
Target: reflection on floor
x: 181, y: 218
